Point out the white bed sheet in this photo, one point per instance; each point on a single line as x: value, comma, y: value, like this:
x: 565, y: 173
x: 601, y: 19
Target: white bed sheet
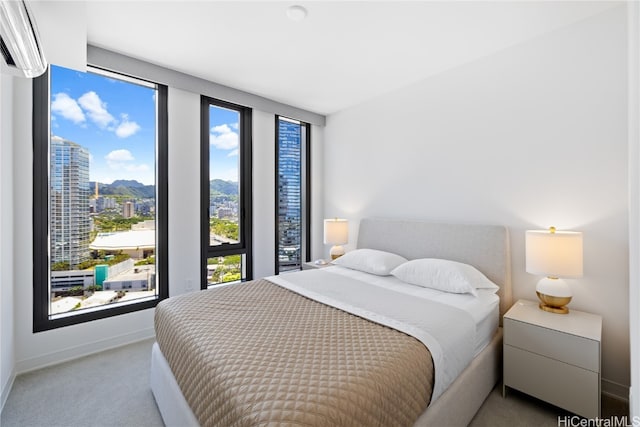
x: 484, y: 309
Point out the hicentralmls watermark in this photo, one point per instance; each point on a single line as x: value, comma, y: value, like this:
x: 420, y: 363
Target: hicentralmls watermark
x: 615, y: 421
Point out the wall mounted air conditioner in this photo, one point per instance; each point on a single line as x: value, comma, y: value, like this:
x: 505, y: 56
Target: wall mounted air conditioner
x: 19, y: 41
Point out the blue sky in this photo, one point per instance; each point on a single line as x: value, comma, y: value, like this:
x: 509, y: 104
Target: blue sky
x: 114, y: 120
x: 223, y: 144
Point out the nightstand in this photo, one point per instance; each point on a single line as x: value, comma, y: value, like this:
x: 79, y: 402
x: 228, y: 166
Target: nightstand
x: 312, y: 264
x: 554, y: 357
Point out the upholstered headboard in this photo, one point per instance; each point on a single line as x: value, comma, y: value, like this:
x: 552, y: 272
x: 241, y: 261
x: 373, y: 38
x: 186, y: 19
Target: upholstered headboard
x: 486, y: 247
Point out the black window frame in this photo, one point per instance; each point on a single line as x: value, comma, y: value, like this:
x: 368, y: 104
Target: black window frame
x: 305, y: 196
x: 42, y: 320
x: 245, y: 244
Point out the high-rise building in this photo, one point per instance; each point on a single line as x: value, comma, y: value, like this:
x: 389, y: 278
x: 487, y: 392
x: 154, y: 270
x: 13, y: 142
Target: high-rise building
x: 69, y: 202
x: 289, y: 195
x: 128, y: 209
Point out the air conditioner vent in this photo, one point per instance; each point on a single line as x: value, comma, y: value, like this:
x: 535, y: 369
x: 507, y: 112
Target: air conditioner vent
x: 6, y: 54
x: 19, y: 41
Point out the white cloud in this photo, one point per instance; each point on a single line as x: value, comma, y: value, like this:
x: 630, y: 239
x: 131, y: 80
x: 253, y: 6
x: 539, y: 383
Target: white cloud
x: 96, y: 109
x: 220, y: 129
x: 233, y: 153
x: 126, y: 128
x: 223, y: 138
x: 234, y: 125
x: 90, y: 104
x: 121, y: 155
x: 67, y: 107
x: 121, y: 160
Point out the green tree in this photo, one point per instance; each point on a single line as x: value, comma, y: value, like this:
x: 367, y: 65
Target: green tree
x: 231, y: 277
x: 147, y: 261
x: 224, y: 228
x: 60, y: 266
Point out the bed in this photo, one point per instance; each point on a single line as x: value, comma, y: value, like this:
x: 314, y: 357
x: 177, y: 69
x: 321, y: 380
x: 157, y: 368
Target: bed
x: 342, y: 372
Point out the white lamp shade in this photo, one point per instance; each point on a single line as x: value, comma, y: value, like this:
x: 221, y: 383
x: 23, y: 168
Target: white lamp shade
x: 336, y: 231
x: 554, y: 254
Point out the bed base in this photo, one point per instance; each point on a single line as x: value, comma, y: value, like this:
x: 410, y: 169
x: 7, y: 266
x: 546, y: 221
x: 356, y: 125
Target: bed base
x: 460, y: 402
x: 455, y: 407
x: 174, y: 409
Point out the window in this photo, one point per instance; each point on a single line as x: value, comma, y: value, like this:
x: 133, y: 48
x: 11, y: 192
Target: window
x: 100, y: 196
x: 292, y: 194
x: 226, y: 192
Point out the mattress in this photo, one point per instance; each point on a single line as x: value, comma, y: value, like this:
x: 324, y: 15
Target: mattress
x: 395, y: 396
x: 484, y: 309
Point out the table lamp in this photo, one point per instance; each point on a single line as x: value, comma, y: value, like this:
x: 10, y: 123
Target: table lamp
x: 557, y: 255
x: 336, y: 233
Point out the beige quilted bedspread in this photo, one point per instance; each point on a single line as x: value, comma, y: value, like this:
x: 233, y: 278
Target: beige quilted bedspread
x: 257, y: 354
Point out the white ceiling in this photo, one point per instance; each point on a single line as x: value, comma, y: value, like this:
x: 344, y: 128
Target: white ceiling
x: 342, y: 54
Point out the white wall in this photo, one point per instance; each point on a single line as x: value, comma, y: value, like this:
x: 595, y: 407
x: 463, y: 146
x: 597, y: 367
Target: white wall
x: 184, y: 191
x: 633, y: 53
x: 264, y: 194
x: 530, y: 137
x: 6, y: 239
x: 62, y: 26
x: 317, y: 193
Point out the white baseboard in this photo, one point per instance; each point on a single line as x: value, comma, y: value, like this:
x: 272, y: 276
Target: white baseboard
x: 76, y: 352
x: 615, y: 390
x: 6, y: 389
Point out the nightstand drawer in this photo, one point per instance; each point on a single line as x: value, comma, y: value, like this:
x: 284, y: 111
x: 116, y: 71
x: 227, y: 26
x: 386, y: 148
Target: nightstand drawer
x: 560, y: 384
x: 571, y: 349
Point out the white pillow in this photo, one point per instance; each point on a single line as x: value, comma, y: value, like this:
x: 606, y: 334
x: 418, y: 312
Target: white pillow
x: 370, y: 261
x: 443, y: 275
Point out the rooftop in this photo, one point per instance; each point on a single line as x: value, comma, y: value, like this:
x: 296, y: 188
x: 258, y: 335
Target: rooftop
x: 133, y: 239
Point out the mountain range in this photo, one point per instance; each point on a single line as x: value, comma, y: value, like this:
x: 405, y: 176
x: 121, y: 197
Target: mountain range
x: 125, y: 187
x: 135, y: 189
x: 219, y: 186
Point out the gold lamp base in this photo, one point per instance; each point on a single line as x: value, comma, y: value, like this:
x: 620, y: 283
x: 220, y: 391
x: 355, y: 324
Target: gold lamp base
x: 336, y: 252
x: 553, y: 304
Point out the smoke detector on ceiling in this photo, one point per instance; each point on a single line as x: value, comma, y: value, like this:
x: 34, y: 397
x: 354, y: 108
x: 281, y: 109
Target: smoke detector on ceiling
x: 296, y: 13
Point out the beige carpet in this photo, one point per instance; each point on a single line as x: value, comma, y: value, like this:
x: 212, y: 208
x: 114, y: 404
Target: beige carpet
x: 112, y: 389
x: 520, y: 410
x: 106, y: 389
